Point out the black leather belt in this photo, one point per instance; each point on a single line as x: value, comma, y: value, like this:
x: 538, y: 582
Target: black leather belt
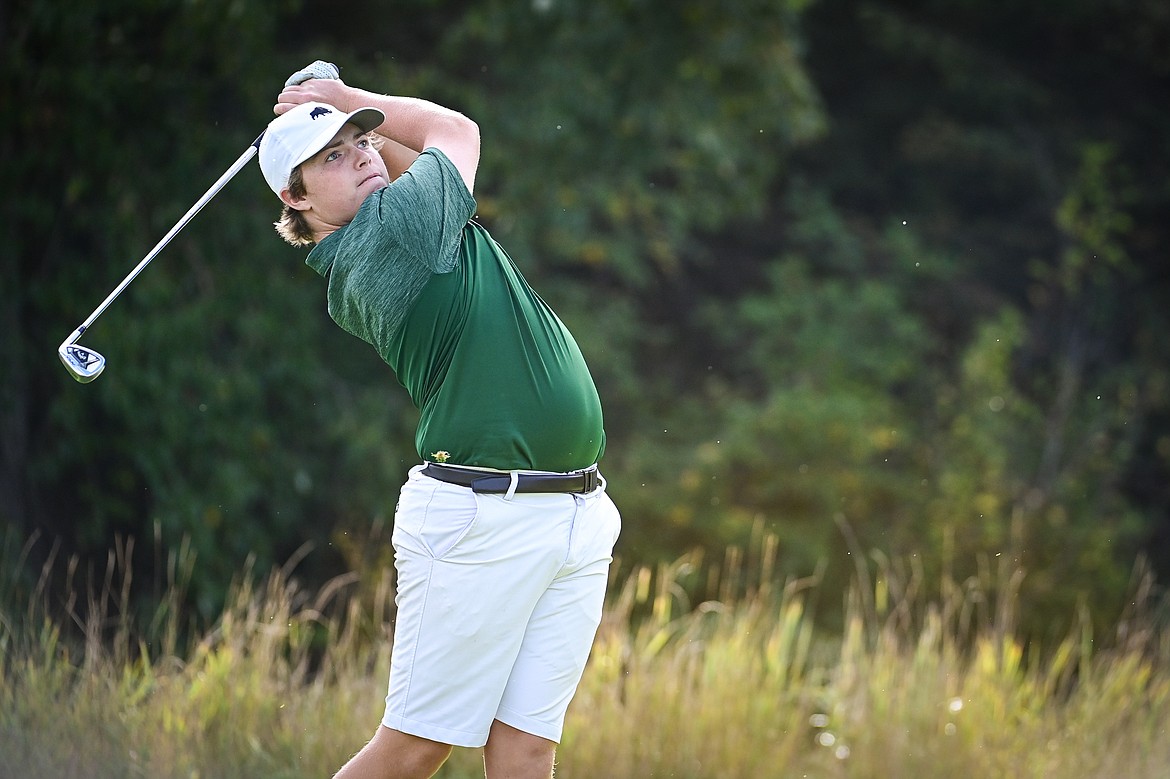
x: 499, y: 483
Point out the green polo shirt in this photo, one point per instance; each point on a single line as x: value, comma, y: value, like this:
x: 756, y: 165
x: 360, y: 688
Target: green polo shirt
x: 497, y: 377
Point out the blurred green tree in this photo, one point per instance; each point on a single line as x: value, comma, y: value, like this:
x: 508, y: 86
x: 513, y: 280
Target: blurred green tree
x: 871, y: 276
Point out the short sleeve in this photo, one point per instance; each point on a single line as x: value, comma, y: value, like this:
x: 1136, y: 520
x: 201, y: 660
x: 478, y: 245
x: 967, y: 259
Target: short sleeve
x: 403, y: 234
x: 426, y: 209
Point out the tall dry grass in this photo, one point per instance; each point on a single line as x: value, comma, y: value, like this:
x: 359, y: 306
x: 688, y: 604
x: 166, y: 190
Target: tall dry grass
x: 288, y: 683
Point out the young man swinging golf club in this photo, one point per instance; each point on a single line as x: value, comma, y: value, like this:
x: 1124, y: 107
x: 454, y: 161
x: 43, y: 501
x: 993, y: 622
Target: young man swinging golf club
x: 503, y: 534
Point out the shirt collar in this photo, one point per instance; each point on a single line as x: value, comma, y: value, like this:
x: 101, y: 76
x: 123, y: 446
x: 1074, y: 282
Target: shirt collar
x: 321, y: 257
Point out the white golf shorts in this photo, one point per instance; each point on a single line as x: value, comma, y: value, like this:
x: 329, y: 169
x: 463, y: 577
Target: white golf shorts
x: 498, y: 604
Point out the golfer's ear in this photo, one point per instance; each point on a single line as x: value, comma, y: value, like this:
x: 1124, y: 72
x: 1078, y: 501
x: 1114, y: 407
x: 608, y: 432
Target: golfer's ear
x: 296, y: 203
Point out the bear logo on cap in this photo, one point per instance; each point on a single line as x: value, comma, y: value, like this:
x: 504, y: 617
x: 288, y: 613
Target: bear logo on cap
x: 319, y: 112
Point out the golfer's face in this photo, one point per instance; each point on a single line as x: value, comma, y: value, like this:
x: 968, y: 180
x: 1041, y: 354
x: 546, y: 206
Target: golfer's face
x: 343, y: 174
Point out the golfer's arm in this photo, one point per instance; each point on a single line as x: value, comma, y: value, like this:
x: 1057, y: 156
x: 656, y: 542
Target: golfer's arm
x: 397, y: 157
x: 413, y: 124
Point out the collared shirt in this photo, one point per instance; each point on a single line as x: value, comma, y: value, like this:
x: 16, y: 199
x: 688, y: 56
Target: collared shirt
x: 499, y: 380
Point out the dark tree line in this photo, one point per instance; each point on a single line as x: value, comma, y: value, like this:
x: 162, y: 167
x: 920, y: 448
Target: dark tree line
x: 868, y: 276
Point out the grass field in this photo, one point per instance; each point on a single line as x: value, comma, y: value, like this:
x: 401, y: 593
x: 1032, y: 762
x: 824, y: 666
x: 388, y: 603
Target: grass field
x: 288, y: 683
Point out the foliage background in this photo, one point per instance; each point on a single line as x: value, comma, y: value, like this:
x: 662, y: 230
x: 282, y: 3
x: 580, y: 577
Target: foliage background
x: 879, y: 278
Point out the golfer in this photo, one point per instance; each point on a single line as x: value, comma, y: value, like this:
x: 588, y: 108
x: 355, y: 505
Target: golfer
x: 503, y: 534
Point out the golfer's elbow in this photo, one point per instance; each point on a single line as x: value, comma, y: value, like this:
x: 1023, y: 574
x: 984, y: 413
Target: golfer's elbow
x: 453, y: 130
x: 458, y: 138
x: 467, y: 126
x: 469, y: 136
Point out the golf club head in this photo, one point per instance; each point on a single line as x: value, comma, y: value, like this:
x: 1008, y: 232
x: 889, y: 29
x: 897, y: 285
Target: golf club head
x: 83, y: 364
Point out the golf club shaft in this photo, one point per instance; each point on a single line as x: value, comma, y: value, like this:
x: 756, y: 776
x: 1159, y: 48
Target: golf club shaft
x: 195, y: 209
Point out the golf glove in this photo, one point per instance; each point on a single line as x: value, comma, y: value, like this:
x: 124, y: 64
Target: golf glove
x: 319, y: 69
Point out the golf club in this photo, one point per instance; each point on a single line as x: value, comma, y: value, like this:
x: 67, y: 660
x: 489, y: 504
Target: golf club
x: 83, y: 363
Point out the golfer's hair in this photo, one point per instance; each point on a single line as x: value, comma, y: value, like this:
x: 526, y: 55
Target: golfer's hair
x: 292, y: 226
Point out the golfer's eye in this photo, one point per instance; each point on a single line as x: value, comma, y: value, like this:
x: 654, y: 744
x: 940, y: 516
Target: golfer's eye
x: 332, y: 156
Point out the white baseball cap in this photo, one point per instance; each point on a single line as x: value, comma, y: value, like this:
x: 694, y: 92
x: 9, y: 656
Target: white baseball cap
x: 302, y: 131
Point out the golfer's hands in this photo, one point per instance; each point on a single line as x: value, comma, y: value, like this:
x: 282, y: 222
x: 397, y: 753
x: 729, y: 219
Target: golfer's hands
x: 318, y: 82
x: 317, y: 69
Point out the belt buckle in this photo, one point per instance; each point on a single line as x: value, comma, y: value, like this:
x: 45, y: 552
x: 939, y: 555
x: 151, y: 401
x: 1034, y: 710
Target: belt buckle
x: 591, y: 480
